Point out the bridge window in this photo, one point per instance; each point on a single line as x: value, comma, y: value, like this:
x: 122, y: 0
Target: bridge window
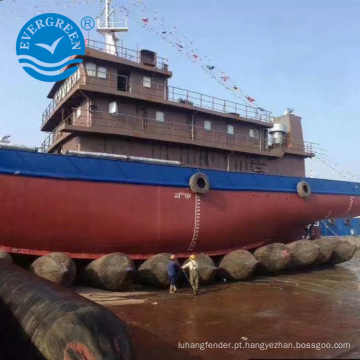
x: 253, y: 133
x: 113, y: 108
x: 146, y: 82
x: 101, y: 72
x: 230, y: 129
x: 91, y: 69
x: 207, y: 125
x: 160, y: 116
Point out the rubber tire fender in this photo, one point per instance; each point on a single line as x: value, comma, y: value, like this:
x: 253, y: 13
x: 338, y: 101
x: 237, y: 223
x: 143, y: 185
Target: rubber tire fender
x: 303, y: 189
x: 199, y: 183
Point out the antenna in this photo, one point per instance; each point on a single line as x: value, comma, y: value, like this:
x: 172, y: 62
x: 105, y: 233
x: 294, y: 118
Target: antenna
x: 108, y: 25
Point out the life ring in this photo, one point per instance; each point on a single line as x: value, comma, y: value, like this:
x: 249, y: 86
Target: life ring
x: 199, y: 183
x: 303, y: 189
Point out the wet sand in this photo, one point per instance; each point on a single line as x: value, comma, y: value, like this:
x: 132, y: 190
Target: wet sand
x: 312, y: 307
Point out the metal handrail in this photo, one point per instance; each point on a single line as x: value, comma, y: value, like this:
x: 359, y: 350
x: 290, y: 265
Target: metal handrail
x: 64, y: 89
x: 126, y: 53
x: 137, y: 125
x: 103, y: 23
x: 163, y: 92
x: 300, y: 145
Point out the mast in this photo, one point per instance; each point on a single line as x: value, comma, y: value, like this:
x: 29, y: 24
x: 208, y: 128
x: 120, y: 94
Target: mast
x: 108, y: 25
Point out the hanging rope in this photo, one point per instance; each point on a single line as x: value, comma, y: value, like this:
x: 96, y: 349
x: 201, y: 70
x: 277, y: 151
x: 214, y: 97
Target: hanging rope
x: 21, y: 9
x: 156, y: 24
x: 336, y: 168
x: 332, y: 231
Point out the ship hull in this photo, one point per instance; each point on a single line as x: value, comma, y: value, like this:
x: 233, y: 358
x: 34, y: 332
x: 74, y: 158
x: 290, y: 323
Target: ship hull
x: 43, y: 211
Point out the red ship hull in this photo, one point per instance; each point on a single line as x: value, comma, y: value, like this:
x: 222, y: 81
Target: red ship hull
x: 89, y: 219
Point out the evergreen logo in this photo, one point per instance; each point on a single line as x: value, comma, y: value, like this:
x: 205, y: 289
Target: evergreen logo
x: 46, y: 47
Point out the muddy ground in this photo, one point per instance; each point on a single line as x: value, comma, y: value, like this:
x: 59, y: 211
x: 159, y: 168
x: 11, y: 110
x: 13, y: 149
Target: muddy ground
x: 318, y: 307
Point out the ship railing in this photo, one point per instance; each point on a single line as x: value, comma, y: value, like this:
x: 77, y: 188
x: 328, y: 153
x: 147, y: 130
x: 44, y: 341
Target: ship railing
x: 300, y: 145
x: 208, y: 102
x: 117, y: 23
x: 64, y: 89
x: 47, y: 142
x: 125, y: 53
x: 309, y: 147
x: 213, y: 103
x: 56, y: 134
x: 157, y: 91
x: 132, y: 125
x: 161, y: 91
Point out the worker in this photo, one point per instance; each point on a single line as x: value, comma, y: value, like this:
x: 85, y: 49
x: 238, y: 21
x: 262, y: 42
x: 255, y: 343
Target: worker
x: 173, y: 273
x: 194, y: 273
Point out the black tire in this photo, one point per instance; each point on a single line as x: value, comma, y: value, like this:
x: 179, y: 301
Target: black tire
x: 303, y: 189
x: 199, y: 183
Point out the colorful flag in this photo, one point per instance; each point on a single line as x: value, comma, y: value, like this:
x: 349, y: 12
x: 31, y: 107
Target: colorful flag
x: 210, y: 67
x: 250, y: 99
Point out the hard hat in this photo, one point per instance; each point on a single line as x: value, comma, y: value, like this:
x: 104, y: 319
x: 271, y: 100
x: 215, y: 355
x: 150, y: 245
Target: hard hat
x: 192, y: 257
x: 172, y: 257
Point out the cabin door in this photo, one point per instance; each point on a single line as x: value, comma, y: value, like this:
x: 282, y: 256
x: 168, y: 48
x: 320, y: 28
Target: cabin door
x: 141, y: 118
x: 123, y: 83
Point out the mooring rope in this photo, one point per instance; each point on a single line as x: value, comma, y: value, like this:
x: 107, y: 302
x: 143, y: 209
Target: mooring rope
x: 331, y: 230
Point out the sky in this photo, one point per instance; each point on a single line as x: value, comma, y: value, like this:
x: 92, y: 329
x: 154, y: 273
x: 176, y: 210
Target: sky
x: 300, y: 54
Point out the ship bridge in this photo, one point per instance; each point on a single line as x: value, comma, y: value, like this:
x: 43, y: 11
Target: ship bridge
x: 120, y: 101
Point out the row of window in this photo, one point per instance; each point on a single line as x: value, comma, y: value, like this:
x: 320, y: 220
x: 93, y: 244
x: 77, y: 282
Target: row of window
x: 113, y: 110
x: 160, y: 117
x: 94, y: 70
x: 66, y: 86
x: 229, y: 129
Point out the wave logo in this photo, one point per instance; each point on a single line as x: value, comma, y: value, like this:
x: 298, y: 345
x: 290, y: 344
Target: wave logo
x: 48, y: 45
